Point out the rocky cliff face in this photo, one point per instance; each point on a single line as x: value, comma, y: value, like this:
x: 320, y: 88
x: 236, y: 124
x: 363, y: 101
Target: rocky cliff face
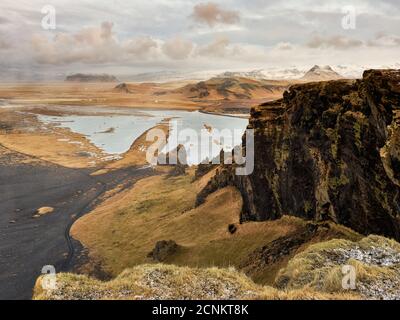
x: 325, y: 151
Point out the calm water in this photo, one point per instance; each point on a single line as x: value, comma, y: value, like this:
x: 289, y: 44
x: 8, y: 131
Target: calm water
x: 114, y: 130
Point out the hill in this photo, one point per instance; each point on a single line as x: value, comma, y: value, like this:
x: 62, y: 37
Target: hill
x: 233, y: 88
x: 123, y: 88
x: 80, y: 77
x: 324, y: 73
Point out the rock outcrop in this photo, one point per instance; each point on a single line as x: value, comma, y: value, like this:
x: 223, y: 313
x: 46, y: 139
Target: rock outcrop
x: 326, y: 151
x: 162, y: 250
x: 123, y: 88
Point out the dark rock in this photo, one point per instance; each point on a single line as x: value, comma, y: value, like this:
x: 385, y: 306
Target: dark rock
x: 232, y: 228
x: 326, y: 151
x: 162, y: 250
x: 202, y: 169
x: 176, y: 158
x: 284, y: 247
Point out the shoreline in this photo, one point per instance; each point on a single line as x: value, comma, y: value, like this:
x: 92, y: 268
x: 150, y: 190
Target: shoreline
x: 241, y: 116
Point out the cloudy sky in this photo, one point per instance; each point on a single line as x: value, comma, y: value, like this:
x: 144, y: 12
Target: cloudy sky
x: 127, y: 37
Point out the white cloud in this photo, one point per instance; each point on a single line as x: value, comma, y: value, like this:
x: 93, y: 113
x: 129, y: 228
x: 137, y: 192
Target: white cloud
x: 385, y: 40
x: 218, y: 48
x: 336, y: 42
x: 195, y: 34
x: 142, y: 47
x: 284, y: 46
x: 89, y: 45
x: 177, y: 48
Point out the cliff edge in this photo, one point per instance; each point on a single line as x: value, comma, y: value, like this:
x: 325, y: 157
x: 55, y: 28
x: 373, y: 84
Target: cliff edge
x: 326, y: 151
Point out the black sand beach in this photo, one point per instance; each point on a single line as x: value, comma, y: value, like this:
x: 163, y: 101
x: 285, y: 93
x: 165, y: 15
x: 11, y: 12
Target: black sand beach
x: 27, y: 243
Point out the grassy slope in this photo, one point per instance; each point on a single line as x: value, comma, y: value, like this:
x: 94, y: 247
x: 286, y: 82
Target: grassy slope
x: 124, y: 229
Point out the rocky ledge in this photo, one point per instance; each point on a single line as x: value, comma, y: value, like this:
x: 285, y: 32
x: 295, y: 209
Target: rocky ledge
x: 326, y: 151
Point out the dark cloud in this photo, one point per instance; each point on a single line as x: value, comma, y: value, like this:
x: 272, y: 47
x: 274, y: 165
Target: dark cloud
x: 212, y: 14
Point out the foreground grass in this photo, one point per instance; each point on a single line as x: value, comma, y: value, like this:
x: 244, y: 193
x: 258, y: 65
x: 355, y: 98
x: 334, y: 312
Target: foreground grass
x: 163, y: 282
x: 316, y: 273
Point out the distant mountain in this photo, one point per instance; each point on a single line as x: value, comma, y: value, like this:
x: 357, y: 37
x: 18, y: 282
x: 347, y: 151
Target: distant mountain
x: 123, y: 87
x: 255, y: 74
x: 232, y: 88
x: 318, y: 73
x: 81, y: 77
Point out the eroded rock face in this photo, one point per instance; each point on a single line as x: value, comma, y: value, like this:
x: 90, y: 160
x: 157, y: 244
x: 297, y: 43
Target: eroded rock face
x: 326, y: 151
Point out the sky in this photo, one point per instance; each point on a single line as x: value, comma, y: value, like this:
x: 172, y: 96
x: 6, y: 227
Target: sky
x: 138, y: 36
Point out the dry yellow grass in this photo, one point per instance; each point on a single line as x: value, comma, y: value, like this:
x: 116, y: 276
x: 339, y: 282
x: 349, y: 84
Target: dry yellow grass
x: 97, y: 94
x: 162, y: 282
x: 48, y: 147
x: 376, y: 261
x: 142, y: 95
x: 136, y: 155
x: 54, y: 144
x: 124, y: 229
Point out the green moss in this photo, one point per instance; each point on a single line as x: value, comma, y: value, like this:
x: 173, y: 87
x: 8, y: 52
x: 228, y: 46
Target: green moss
x: 337, y: 182
x: 334, y: 137
x: 357, y: 135
x: 308, y: 207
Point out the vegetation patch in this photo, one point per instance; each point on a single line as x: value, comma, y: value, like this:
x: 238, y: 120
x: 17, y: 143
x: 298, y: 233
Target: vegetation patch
x: 375, y: 261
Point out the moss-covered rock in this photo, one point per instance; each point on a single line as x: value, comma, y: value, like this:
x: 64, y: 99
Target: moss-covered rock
x: 330, y: 148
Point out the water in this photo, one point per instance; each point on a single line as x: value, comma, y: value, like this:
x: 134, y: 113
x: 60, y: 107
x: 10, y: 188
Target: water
x: 114, y: 130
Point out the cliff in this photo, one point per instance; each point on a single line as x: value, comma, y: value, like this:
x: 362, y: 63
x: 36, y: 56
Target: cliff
x: 326, y: 151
